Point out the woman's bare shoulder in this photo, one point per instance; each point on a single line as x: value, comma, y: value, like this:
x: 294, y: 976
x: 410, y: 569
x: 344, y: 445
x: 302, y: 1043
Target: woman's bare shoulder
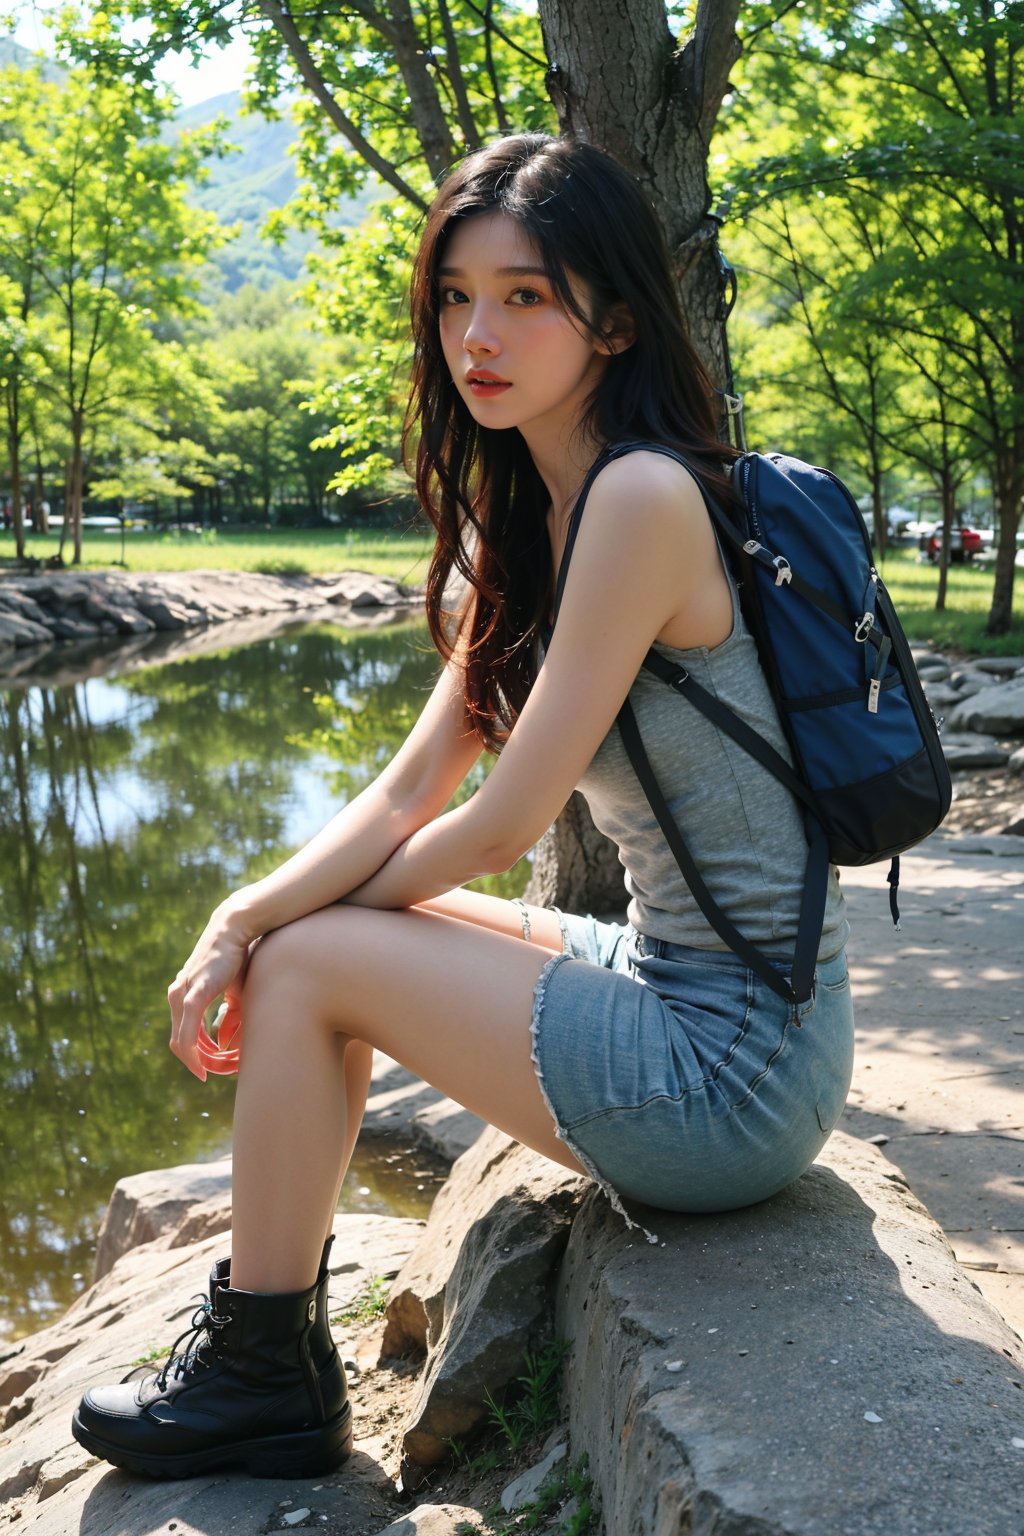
x: 656, y: 491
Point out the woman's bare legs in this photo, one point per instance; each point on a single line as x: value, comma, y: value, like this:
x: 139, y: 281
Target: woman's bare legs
x: 447, y: 991
x: 468, y: 906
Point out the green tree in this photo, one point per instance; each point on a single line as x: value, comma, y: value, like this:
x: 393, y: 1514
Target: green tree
x: 925, y: 107
x: 402, y: 92
x: 115, y: 245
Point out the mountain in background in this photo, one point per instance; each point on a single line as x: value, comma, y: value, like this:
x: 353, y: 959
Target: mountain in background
x: 243, y: 187
x: 13, y: 53
x: 246, y: 186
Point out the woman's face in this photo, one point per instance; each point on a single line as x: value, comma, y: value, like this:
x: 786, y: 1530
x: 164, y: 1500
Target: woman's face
x: 517, y: 357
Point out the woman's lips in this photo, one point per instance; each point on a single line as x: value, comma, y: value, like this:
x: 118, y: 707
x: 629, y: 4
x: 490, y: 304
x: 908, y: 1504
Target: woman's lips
x: 488, y: 387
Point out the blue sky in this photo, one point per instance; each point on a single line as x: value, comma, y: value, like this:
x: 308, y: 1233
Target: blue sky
x: 222, y: 71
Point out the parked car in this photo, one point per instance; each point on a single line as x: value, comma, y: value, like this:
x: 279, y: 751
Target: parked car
x: 964, y: 543
x: 896, y: 521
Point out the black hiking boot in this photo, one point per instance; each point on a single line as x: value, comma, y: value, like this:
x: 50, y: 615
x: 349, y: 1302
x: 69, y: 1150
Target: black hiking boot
x: 259, y: 1384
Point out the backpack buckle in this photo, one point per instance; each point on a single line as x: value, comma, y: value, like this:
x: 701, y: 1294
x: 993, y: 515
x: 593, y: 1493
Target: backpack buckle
x: 783, y: 571
x: 864, y: 627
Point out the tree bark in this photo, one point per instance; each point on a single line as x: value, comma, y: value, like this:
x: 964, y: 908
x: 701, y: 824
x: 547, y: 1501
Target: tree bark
x: 618, y: 81
x: 575, y: 867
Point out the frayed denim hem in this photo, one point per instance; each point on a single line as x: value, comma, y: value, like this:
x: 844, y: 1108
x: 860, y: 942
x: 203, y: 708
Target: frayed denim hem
x: 539, y: 992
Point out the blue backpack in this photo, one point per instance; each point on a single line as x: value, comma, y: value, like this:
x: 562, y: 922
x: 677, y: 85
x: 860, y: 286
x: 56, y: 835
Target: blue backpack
x: 867, y: 767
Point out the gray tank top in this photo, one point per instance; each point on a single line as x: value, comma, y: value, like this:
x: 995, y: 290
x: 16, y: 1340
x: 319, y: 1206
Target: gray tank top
x: 743, y: 828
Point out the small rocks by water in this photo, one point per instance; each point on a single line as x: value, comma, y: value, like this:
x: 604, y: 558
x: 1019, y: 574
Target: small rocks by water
x: 69, y: 609
x: 980, y: 707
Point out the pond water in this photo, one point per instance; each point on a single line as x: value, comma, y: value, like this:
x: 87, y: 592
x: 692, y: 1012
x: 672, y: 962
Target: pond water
x: 129, y: 806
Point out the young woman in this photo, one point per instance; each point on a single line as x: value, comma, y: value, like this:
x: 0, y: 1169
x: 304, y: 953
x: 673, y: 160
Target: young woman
x: 645, y: 1056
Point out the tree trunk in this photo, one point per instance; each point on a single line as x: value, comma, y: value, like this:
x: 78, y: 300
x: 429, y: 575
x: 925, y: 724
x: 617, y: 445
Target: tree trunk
x: 14, y: 434
x: 40, y: 511
x: 77, y: 487
x: 618, y: 81
x: 65, y: 521
x: 575, y: 867
x: 1008, y: 490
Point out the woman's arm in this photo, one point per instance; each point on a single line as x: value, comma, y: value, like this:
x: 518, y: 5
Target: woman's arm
x: 419, y: 781
x: 645, y: 562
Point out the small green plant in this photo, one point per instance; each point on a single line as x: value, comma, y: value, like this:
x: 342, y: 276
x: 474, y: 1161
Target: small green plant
x: 281, y: 568
x: 563, y: 1483
x: 479, y: 1465
x: 536, y: 1407
x: 158, y: 1352
x: 368, y: 1306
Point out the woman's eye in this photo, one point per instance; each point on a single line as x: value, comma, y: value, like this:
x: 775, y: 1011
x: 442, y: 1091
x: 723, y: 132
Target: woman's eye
x: 527, y: 297
x: 452, y: 296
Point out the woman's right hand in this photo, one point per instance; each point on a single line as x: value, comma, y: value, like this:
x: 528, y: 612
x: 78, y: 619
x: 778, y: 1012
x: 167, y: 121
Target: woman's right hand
x: 215, y: 968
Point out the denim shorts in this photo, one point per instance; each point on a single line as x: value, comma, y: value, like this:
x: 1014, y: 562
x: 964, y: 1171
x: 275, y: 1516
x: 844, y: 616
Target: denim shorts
x: 677, y: 1077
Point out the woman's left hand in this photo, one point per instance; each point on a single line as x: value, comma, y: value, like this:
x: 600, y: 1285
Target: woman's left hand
x: 215, y: 968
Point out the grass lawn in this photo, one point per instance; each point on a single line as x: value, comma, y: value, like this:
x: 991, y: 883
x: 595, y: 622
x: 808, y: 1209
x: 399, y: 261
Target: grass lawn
x: 275, y: 552
x: 960, y: 626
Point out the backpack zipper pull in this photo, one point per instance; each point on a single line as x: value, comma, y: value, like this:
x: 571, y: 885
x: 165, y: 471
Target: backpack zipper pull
x: 875, y: 685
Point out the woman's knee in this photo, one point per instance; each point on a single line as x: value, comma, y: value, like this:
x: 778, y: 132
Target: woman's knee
x: 290, y: 962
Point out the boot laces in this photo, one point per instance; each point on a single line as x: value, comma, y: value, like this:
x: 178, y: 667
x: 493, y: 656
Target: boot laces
x: 201, y: 1343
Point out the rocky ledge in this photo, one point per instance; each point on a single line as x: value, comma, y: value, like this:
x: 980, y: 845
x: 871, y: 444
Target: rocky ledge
x: 818, y: 1365
x: 72, y: 610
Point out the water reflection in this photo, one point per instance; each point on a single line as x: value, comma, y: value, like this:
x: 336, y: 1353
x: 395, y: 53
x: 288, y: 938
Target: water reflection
x: 128, y: 808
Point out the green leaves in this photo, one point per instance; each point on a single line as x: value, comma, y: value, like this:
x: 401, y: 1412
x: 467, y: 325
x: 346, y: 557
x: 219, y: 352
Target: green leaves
x: 873, y: 172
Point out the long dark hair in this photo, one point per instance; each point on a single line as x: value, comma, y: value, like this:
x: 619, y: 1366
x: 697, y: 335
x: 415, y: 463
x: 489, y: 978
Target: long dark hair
x: 587, y: 217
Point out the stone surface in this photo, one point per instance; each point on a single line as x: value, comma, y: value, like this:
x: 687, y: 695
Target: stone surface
x: 790, y: 1322
x: 931, y: 666
x: 941, y: 695
x: 939, y: 1066
x: 476, y: 1291
x: 526, y: 1487
x: 52, y: 610
x: 50, y: 1485
x: 414, y: 1317
x: 968, y: 680
x: 435, y: 1520
x: 21, y: 631
x: 1015, y: 762
x: 402, y: 1104
x: 998, y: 710
x: 1001, y: 666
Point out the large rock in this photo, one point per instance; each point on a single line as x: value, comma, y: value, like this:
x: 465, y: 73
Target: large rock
x: 476, y: 1292
x: 1001, y: 666
x: 997, y: 710
x: 818, y: 1365
x: 973, y: 751
x: 149, y: 1206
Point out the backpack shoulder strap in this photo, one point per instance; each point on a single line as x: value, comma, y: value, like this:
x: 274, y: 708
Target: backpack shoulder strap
x: 812, y: 906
